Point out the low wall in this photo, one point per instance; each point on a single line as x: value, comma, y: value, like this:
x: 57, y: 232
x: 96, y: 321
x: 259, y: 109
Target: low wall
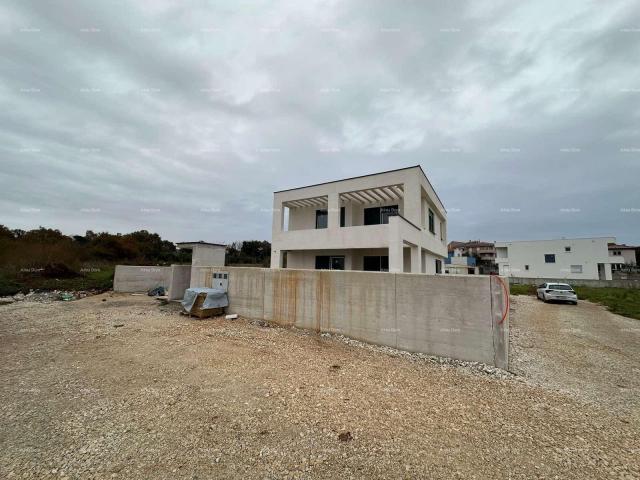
x: 179, y: 281
x: 451, y: 316
x: 577, y: 283
x: 135, y: 278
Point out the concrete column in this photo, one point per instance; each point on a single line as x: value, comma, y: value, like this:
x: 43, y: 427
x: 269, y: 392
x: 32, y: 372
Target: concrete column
x: 413, y: 201
x: 277, y: 258
x: 608, y: 275
x: 415, y: 259
x: 333, y: 210
x: 278, y: 217
x: 396, y: 256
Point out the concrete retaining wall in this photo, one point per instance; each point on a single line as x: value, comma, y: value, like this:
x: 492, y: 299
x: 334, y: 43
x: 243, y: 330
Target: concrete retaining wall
x: 179, y: 281
x: 577, y: 283
x: 135, y: 278
x: 452, y: 316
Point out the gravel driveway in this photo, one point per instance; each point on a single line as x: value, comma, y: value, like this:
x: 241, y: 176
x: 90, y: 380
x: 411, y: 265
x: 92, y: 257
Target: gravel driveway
x: 584, y: 350
x: 123, y: 388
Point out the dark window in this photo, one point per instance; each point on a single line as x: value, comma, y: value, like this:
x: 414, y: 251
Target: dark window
x: 438, y: 266
x: 378, y: 215
x: 384, y: 263
x: 326, y: 262
x: 337, y: 263
x: 567, y: 249
x: 323, y: 262
x: 526, y: 267
x: 471, y: 271
x: 375, y: 263
x: 321, y: 218
x: 432, y: 223
x: 342, y: 216
x: 549, y: 258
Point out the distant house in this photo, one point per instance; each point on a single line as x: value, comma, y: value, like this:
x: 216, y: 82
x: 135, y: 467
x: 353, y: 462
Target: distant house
x: 622, y: 255
x: 456, y: 264
x: 483, y: 252
x: 567, y: 258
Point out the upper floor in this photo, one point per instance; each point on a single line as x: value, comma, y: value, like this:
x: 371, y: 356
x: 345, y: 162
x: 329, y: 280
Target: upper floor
x: 356, y: 212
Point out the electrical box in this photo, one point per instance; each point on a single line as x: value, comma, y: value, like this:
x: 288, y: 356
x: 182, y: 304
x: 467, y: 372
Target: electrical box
x: 220, y: 281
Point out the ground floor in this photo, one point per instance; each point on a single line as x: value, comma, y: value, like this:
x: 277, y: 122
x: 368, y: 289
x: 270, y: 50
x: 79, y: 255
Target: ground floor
x: 370, y: 260
x: 165, y: 397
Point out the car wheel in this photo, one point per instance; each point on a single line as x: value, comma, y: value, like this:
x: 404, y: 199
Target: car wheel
x: 575, y: 303
x: 544, y: 298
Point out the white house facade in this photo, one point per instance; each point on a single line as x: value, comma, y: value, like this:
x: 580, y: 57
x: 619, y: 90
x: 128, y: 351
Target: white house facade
x: 389, y: 221
x: 570, y: 258
x: 622, y: 255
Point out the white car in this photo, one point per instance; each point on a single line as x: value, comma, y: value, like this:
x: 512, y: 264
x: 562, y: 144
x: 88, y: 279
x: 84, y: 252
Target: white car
x: 561, y: 292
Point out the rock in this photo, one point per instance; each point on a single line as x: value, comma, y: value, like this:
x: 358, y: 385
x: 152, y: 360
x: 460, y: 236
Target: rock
x: 118, y: 325
x: 6, y: 300
x: 345, y: 436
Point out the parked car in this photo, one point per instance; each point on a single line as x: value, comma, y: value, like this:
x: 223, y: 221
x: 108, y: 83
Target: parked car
x: 561, y: 292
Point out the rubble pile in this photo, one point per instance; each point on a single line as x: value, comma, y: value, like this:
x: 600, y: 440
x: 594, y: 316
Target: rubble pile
x: 48, y: 296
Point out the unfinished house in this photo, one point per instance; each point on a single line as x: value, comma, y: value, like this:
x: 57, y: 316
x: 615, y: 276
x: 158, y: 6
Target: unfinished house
x: 389, y: 221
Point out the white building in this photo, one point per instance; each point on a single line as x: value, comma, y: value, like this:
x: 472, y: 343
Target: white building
x: 622, y: 255
x: 570, y: 258
x: 390, y: 221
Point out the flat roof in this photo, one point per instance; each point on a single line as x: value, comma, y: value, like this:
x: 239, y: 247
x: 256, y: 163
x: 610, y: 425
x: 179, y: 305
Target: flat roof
x: 553, y: 239
x: 200, y: 242
x: 368, y: 175
x: 614, y: 246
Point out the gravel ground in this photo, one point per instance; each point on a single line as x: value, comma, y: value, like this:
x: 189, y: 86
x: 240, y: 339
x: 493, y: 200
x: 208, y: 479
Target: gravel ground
x: 115, y: 386
x: 584, y: 350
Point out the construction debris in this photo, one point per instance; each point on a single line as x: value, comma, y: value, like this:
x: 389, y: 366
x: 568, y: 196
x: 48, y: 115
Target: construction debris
x: 48, y: 296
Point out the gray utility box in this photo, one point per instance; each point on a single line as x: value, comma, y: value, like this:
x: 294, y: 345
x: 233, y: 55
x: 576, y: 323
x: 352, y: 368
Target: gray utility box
x: 220, y: 281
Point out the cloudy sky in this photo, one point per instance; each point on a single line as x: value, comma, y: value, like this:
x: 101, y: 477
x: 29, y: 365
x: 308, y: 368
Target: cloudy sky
x: 183, y: 117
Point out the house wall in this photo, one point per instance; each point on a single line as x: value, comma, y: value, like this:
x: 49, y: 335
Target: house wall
x: 588, y: 252
x: 458, y: 317
x: 627, y: 256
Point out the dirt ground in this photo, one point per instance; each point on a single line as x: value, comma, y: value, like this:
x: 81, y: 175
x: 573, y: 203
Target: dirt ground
x: 582, y: 350
x: 124, y: 388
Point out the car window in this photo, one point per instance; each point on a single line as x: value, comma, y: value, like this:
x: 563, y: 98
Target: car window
x: 542, y: 285
x: 557, y: 286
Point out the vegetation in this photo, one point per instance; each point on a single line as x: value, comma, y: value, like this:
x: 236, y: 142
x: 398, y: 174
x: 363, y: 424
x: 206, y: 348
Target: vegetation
x: 46, y: 259
x: 249, y: 253
x: 623, y: 301
x: 517, y: 289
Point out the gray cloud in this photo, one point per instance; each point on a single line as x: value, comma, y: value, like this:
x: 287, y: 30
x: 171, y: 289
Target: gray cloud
x: 183, y: 118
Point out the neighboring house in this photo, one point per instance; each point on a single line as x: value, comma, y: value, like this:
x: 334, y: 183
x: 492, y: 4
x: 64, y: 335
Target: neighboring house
x: 484, y: 252
x: 622, y: 255
x: 456, y: 264
x: 389, y: 221
x: 568, y: 258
